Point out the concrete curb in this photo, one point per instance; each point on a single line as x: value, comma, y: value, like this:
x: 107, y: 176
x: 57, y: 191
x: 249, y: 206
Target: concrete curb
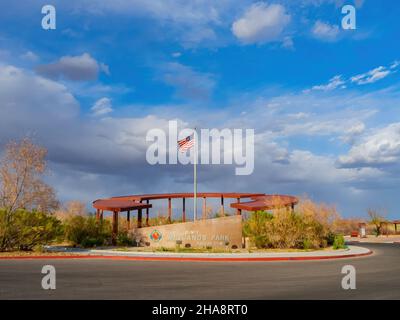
x: 352, y: 252
x: 372, y: 242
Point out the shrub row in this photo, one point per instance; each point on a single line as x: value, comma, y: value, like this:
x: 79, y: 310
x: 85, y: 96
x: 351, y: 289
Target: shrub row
x: 286, y: 229
x: 25, y: 230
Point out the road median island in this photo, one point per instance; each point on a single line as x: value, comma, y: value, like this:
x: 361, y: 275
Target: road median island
x: 68, y: 253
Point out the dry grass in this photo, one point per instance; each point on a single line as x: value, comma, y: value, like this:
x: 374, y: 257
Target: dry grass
x: 34, y: 254
x: 71, y: 208
x: 346, y: 226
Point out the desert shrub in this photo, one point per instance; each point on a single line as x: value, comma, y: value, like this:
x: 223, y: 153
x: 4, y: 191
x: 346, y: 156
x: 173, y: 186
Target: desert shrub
x: 309, y: 227
x: 338, y: 242
x: 285, y: 230
x: 25, y: 230
x: 255, y: 227
x: 321, y: 212
x: 160, y: 219
x: 124, y: 238
x: 86, y: 231
x: 330, y: 238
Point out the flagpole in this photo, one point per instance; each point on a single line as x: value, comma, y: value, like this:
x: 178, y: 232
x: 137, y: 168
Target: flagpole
x: 195, y: 175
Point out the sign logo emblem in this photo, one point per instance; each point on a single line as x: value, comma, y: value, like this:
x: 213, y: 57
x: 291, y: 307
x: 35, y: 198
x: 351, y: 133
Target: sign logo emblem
x: 156, y: 236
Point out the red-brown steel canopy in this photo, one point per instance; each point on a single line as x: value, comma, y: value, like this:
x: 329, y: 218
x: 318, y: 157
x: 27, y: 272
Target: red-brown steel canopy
x: 266, y: 202
x: 232, y: 195
x: 119, y: 205
x: 259, y: 201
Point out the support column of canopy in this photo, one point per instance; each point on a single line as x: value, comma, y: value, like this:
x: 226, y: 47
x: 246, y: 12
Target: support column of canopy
x: 114, y: 228
x: 204, y: 207
x: 147, y: 214
x: 169, y: 210
x: 238, y: 211
x: 139, y: 218
x: 128, y: 219
x: 116, y: 207
x: 99, y: 214
x: 222, y: 206
x: 183, y: 209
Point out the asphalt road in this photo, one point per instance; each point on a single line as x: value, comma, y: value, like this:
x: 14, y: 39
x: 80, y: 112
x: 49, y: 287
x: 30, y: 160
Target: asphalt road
x: 377, y: 277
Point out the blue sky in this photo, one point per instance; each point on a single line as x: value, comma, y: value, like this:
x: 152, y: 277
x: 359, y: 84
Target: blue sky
x: 323, y: 101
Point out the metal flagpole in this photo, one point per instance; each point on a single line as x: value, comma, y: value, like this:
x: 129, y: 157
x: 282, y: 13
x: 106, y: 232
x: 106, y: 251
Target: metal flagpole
x: 195, y: 175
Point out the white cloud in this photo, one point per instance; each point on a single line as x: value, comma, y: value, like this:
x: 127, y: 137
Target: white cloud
x: 189, y: 84
x: 76, y: 68
x: 192, y: 23
x: 102, y: 107
x: 338, y: 3
x: 22, y: 95
x: 395, y: 64
x: 353, y: 132
x: 30, y: 56
x: 261, y: 23
x: 325, y: 31
x: 379, y: 148
x: 104, y: 68
x: 288, y: 43
x: 98, y: 157
x: 335, y: 82
x: 371, y: 76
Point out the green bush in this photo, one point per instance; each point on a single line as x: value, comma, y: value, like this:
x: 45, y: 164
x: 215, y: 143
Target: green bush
x: 124, y: 239
x: 330, y: 238
x: 86, y: 231
x: 256, y: 228
x: 286, y: 229
x: 338, y: 242
x: 307, y: 244
x: 25, y: 230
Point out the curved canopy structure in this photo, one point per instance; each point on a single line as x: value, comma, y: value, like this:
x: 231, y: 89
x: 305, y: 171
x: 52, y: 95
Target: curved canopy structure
x: 255, y: 202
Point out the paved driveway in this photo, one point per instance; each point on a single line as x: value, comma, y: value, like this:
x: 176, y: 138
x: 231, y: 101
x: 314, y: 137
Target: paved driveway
x: 378, y: 277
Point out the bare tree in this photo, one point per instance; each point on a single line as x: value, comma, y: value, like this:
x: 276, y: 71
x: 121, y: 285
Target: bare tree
x: 376, y: 219
x: 21, y: 171
x: 71, y: 208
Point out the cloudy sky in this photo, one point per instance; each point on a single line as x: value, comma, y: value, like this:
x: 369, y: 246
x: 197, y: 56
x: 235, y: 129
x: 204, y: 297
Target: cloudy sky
x: 323, y: 101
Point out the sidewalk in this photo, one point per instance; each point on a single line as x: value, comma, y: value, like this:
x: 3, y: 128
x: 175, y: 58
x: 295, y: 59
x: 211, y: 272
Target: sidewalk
x: 375, y: 239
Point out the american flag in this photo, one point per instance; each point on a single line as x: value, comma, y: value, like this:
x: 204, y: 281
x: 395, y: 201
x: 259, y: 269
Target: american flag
x: 186, y: 143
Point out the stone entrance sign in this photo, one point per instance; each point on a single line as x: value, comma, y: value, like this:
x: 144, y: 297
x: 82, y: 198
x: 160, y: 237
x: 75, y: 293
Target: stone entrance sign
x: 224, y: 232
